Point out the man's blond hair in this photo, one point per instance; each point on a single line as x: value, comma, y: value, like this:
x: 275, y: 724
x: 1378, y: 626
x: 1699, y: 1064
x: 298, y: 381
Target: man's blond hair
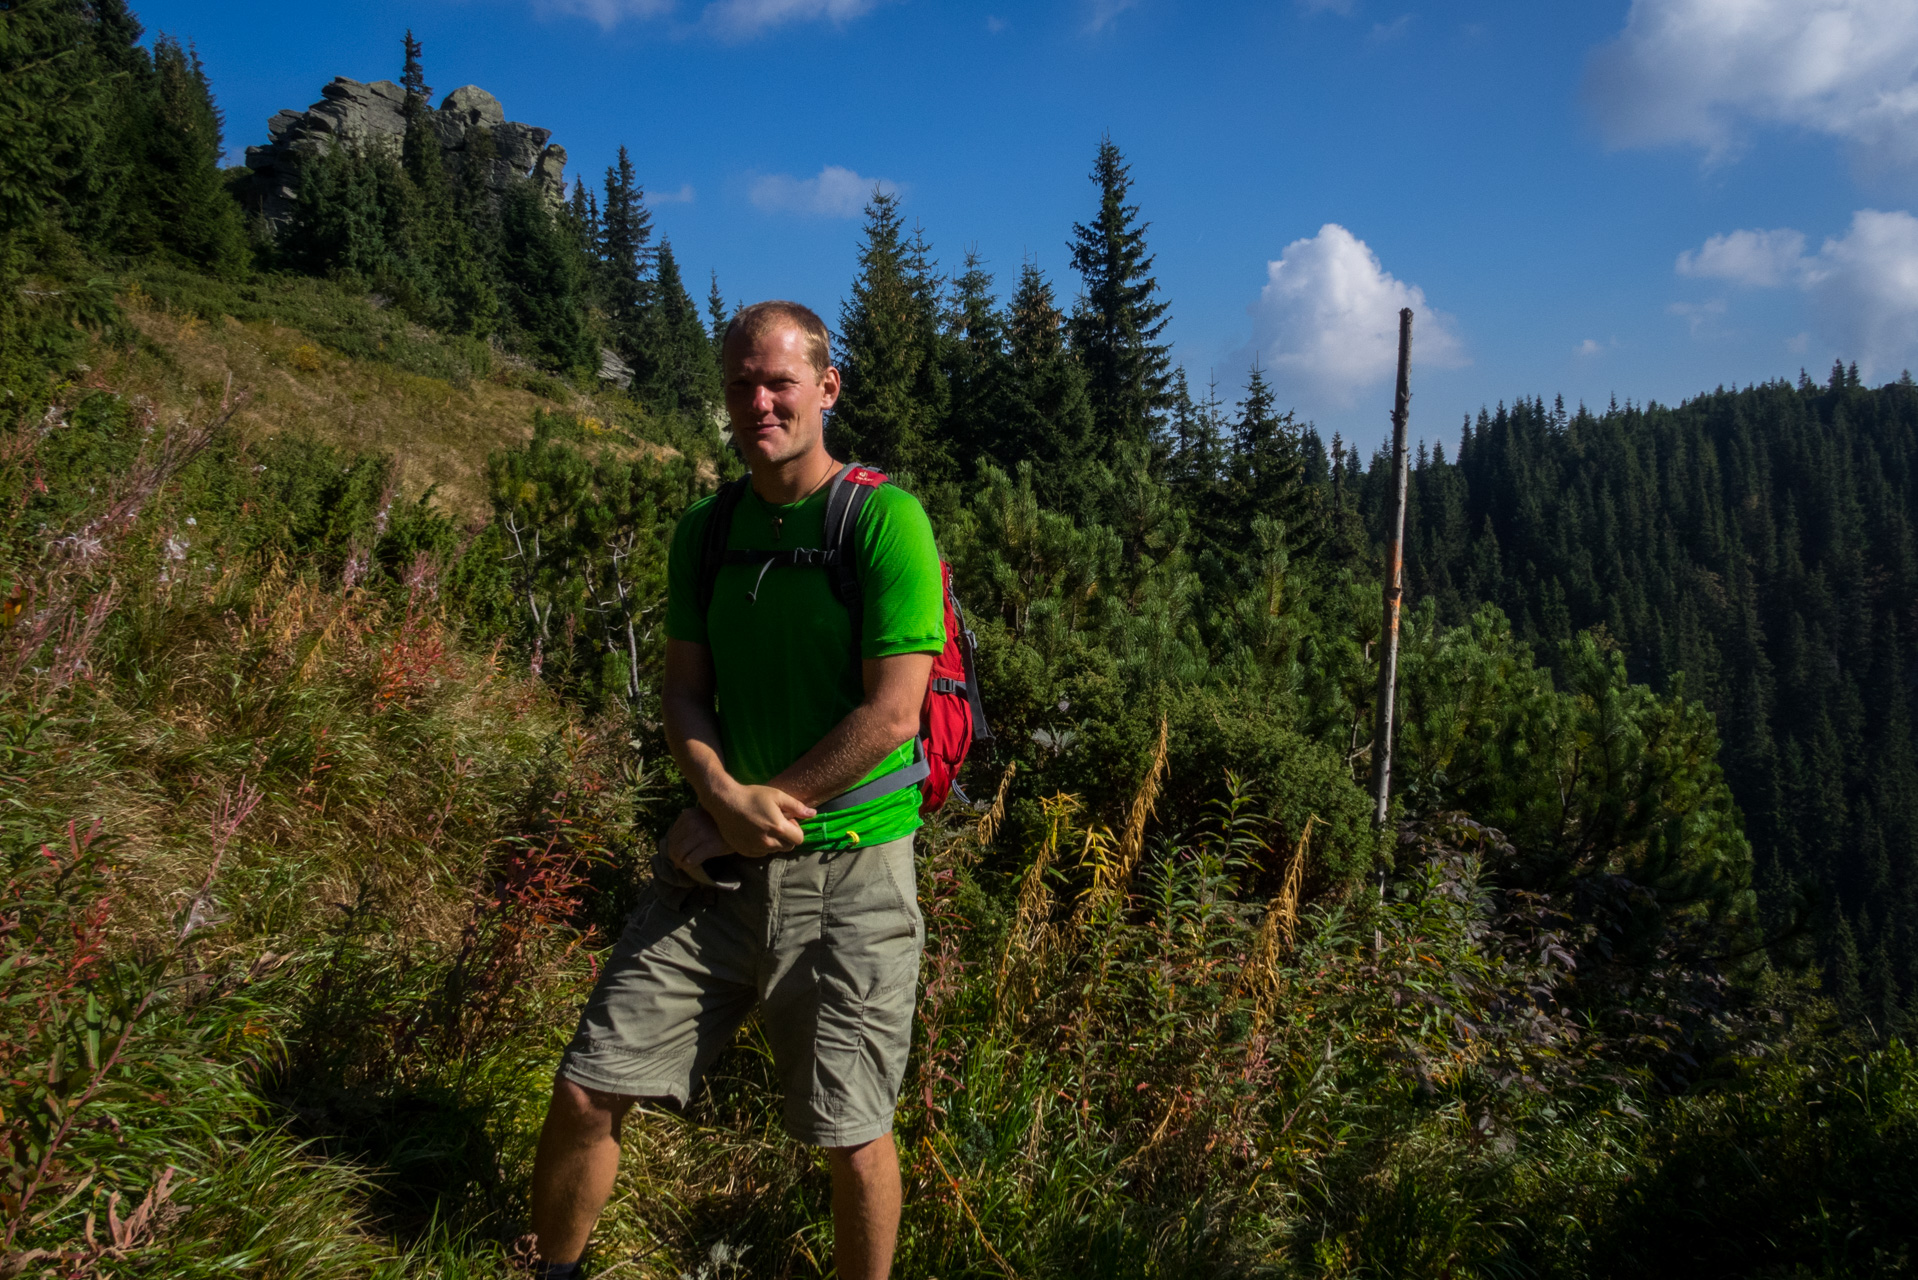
x: 749, y: 324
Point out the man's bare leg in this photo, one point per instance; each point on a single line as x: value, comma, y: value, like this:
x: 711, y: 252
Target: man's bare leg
x: 865, y: 1208
x: 574, y: 1169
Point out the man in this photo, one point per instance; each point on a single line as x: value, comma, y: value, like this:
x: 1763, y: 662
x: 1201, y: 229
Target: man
x: 781, y: 890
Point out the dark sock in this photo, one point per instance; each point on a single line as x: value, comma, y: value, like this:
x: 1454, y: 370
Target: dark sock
x: 556, y: 1270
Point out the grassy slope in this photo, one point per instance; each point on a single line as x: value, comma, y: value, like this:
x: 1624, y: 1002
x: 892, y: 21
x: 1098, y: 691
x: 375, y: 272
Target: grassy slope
x: 440, y: 429
x: 1154, y: 1086
x: 375, y: 987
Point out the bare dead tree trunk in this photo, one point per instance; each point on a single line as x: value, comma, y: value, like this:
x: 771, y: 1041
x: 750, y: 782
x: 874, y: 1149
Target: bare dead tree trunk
x: 1384, y: 705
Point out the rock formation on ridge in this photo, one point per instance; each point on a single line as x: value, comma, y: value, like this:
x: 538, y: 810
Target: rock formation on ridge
x: 373, y: 116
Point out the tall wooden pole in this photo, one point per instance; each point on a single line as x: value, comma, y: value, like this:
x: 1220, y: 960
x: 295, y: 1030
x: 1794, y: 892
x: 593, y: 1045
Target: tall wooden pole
x: 1382, y: 724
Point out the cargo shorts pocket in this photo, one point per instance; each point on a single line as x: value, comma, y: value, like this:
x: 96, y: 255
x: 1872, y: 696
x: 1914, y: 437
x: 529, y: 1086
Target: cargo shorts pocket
x: 674, y: 990
x: 902, y: 878
x: 844, y: 1063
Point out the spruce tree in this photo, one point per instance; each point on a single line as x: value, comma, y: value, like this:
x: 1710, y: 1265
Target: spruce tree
x: 456, y: 284
x: 413, y: 77
x: 1845, y: 971
x: 183, y: 206
x: 476, y: 201
x: 82, y: 81
x: 541, y: 282
x: 443, y: 281
x: 582, y: 220
x: 350, y: 217
x: 1046, y: 418
x: 54, y: 86
x: 1117, y: 323
x: 893, y: 395
x: 678, y: 372
x: 1264, y: 474
x: 1879, y: 990
x: 717, y: 316
x: 625, y: 236
x: 1197, y: 443
x: 975, y: 367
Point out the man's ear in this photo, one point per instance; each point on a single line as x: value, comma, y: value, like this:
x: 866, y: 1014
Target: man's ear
x: 829, y: 383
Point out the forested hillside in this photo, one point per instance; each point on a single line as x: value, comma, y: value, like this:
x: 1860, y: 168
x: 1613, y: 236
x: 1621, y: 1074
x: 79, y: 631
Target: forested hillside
x: 331, y: 572
x: 1756, y: 549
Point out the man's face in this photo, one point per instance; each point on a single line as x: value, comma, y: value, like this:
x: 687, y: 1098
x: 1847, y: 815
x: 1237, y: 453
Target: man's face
x: 774, y: 398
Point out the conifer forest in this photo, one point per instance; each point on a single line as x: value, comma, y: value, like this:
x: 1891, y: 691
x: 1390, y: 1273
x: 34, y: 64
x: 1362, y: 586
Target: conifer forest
x: 332, y: 575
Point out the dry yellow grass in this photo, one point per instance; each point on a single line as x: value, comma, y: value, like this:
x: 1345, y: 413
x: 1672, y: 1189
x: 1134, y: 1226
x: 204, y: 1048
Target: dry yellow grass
x: 439, y: 433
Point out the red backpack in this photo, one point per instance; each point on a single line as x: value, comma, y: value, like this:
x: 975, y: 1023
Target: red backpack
x: 952, y: 718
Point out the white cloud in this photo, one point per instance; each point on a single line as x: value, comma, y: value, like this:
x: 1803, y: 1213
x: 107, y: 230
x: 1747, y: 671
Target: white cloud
x: 732, y: 19
x: 1326, y: 324
x: 1588, y: 348
x: 1341, y: 7
x: 739, y: 18
x: 1694, y: 71
x: 1760, y: 258
x: 1863, y: 285
x: 837, y: 192
x: 995, y: 24
x: 1699, y: 316
x: 609, y: 13
x: 1100, y: 13
x: 1864, y: 288
x: 1384, y: 31
x: 682, y: 196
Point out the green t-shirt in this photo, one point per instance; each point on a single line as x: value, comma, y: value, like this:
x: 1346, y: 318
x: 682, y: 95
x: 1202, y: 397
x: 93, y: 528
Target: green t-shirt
x: 784, y: 666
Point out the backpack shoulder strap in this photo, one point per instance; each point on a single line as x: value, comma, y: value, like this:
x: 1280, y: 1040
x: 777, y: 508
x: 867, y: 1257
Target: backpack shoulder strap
x: 845, y: 499
x: 719, y: 528
x: 981, y: 731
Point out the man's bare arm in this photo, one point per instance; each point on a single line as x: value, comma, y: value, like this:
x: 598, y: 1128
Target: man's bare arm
x: 692, y: 725
x: 750, y: 820
x: 895, y: 692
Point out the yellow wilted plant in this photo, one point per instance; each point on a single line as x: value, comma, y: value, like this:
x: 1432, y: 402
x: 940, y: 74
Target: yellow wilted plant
x: 1026, y: 940
x: 1113, y: 869
x: 1279, y: 929
x: 989, y: 823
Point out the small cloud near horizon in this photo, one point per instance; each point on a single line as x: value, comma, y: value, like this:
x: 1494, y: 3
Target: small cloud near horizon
x: 1863, y: 285
x: 682, y: 196
x: 1759, y: 258
x: 835, y: 192
x: 1393, y: 30
x: 1698, y: 315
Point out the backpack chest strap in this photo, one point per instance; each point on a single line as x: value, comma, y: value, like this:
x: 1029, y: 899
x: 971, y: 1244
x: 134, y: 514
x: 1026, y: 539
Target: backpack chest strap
x: 846, y: 495
x: 790, y: 558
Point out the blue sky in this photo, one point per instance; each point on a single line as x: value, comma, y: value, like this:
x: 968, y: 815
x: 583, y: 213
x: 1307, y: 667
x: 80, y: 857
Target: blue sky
x: 1635, y: 199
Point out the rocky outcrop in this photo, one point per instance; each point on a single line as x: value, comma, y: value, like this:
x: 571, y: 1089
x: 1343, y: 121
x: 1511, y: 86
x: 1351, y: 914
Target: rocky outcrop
x: 369, y: 117
x: 614, y: 370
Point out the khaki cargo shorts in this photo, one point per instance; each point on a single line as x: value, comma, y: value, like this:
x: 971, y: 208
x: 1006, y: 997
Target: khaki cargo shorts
x: 827, y: 946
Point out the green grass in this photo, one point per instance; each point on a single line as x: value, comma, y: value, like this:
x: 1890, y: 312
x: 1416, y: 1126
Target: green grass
x: 1125, y: 1065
